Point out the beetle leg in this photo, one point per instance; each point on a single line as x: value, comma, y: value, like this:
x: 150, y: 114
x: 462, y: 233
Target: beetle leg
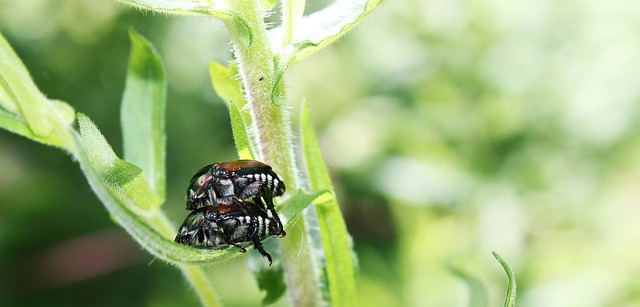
x: 268, y: 199
x: 273, y: 214
x: 260, y: 248
x: 251, y: 189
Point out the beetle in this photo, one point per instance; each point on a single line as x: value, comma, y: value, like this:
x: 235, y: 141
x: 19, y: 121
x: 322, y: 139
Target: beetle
x: 226, y: 182
x: 234, y: 225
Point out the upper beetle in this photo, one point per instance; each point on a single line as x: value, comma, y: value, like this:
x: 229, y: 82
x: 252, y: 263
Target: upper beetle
x: 226, y: 182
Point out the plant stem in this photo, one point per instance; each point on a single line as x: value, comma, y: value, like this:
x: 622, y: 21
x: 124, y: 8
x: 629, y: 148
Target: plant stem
x: 194, y: 274
x: 198, y: 279
x: 273, y: 136
x: 255, y: 64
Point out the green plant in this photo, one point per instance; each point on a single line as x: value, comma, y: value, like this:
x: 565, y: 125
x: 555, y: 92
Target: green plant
x: 133, y: 188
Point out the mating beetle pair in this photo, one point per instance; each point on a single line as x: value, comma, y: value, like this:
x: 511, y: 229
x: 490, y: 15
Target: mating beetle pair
x: 218, y: 194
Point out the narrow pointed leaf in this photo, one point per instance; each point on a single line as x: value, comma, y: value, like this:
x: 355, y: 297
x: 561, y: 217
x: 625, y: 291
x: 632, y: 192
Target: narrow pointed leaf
x: 28, y: 109
x: 143, y: 113
x: 23, y: 92
x: 226, y: 84
x: 510, y: 299
x: 292, y: 11
x: 9, y: 57
x: 8, y: 54
x: 229, y: 88
x: 335, y: 238
x: 240, y: 135
x: 292, y: 207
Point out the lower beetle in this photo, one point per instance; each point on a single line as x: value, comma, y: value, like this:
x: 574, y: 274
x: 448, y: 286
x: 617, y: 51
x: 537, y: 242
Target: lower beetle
x: 231, y: 225
x: 227, y: 182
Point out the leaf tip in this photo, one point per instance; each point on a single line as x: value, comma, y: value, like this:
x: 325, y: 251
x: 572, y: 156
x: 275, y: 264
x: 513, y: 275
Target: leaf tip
x: 510, y: 300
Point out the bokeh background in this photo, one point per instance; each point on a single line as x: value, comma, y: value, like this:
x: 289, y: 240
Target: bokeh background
x: 452, y: 129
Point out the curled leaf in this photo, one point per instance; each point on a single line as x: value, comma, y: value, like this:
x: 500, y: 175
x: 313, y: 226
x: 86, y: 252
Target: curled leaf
x: 319, y: 29
x: 196, y: 8
x: 315, y: 32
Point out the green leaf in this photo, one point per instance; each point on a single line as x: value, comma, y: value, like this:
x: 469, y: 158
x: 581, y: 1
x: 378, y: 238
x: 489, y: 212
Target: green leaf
x: 270, y: 278
x: 198, y: 279
x: 229, y: 89
x: 196, y: 8
x: 281, y: 62
x: 123, y: 179
x: 143, y: 113
x: 335, y: 238
x: 27, y: 111
x: 6, y: 101
x: 9, y: 57
x: 226, y: 84
x: 65, y: 112
x: 240, y: 136
x: 510, y: 300
x: 19, y: 126
x: 22, y: 91
x: 315, y: 32
x: 321, y: 28
x: 292, y: 207
x: 292, y: 11
x: 102, y: 156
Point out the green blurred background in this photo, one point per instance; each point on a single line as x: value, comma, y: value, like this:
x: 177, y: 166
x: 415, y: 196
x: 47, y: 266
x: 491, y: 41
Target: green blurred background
x: 452, y: 129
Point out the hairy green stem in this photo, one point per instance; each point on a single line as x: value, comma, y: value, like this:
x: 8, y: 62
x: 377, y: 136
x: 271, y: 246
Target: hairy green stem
x: 201, y: 284
x: 194, y: 274
x: 273, y: 136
